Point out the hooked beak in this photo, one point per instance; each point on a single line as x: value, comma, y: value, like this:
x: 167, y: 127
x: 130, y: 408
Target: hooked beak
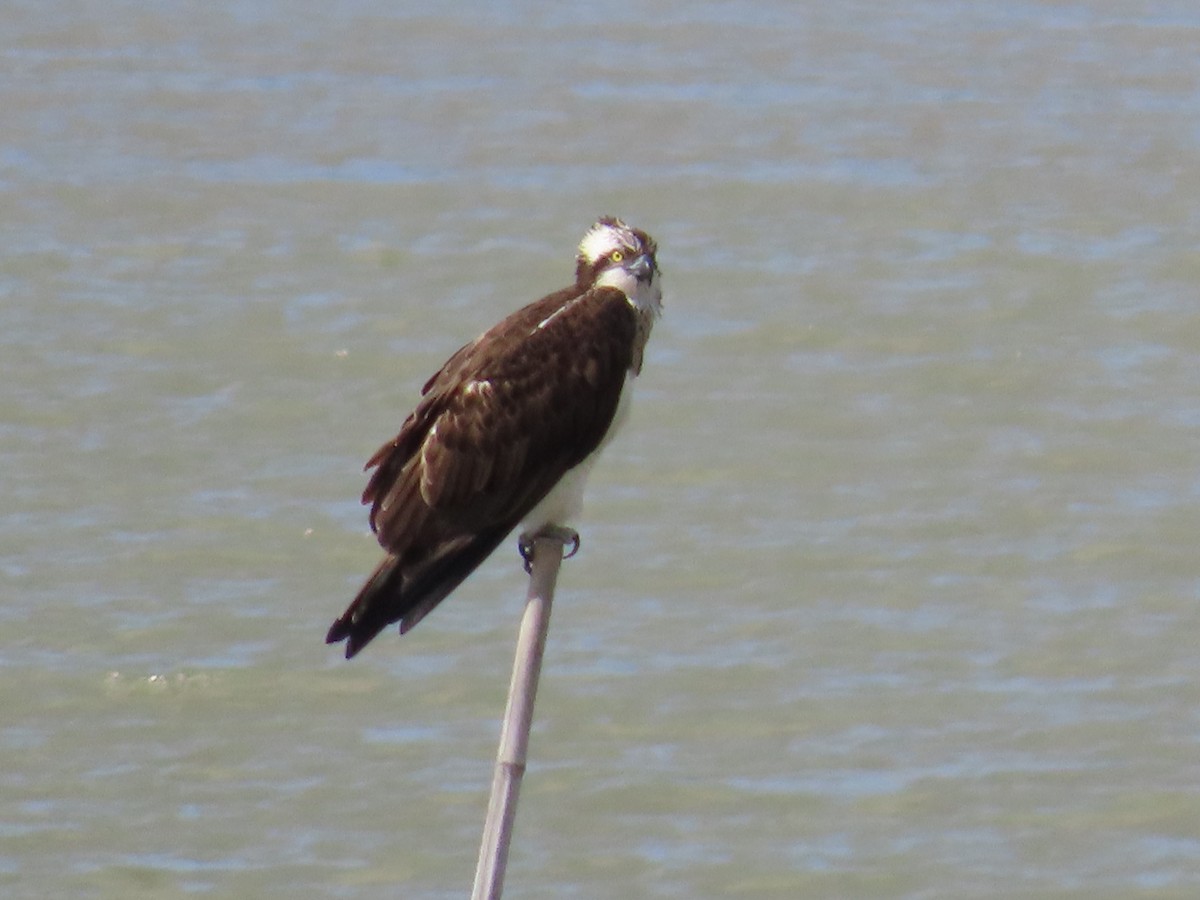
x: 642, y: 268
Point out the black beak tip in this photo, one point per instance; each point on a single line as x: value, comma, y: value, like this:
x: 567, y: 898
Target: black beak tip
x: 642, y: 268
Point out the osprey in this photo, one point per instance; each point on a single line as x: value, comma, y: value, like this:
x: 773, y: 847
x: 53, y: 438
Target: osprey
x: 506, y: 432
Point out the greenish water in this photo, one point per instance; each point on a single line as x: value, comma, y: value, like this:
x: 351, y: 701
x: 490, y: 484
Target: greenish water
x: 888, y: 589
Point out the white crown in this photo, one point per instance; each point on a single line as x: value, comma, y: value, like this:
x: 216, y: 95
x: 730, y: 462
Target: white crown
x: 604, y: 237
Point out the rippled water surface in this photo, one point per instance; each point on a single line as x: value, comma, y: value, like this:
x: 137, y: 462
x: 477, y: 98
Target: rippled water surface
x: 889, y: 589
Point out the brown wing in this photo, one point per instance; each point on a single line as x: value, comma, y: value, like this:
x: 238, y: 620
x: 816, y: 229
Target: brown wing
x: 503, y: 420
x: 495, y: 430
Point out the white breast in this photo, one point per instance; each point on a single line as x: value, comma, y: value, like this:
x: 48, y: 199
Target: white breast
x: 564, y: 503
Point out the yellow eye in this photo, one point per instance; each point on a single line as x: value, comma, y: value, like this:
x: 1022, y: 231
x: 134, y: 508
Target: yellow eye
x: 617, y: 256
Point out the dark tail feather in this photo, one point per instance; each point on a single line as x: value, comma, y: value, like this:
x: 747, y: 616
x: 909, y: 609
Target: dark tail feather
x: 406, y: 594
x: 370, y: 612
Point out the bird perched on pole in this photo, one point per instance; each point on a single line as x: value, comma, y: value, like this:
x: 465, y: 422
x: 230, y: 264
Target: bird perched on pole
x: 506, y: 432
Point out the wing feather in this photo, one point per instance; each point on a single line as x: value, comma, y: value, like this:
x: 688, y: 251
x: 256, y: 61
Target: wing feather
x: 504, y: 419
x: 496, y: 428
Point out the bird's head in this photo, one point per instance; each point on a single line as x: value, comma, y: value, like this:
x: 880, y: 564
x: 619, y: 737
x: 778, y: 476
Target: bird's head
x: 612, y: 254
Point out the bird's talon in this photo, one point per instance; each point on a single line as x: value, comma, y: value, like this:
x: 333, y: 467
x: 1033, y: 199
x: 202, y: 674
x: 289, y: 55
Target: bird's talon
x: 525, y: 547
x: 573, y: 540
x: 568, y: 536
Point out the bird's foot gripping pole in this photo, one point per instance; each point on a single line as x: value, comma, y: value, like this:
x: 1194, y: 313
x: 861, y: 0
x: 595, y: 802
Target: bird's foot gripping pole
x: 568, y: 537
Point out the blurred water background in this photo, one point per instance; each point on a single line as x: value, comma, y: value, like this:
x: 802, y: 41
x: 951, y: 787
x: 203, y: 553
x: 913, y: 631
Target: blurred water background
x: 890, y: 587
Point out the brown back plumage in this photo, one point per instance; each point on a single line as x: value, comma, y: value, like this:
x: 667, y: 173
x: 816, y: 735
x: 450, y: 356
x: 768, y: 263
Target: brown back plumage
x: 496, y: 428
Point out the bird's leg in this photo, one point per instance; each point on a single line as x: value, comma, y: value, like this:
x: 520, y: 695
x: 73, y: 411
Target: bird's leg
x: 558, y: 532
